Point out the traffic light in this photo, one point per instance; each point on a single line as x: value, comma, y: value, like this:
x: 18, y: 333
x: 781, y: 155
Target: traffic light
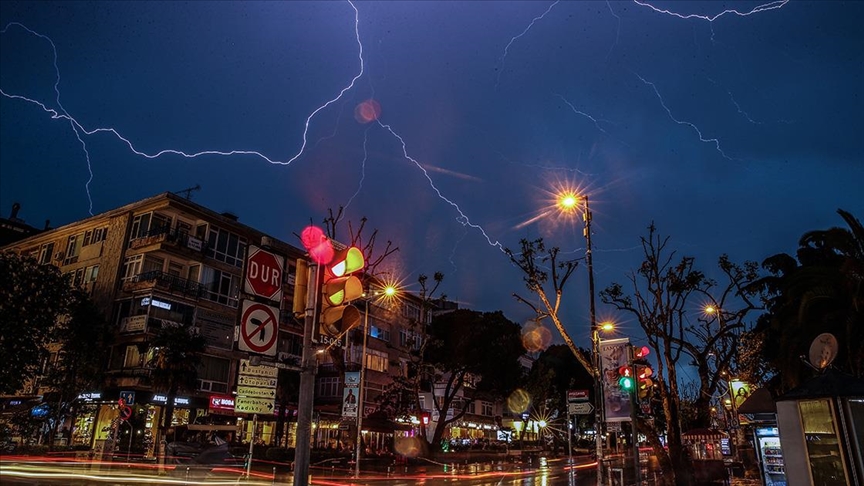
x: 643, y: 372
x: 625, y: 378
x: 338, y: 289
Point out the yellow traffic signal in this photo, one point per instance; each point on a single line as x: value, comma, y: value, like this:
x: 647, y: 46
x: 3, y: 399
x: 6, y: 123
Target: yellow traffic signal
x: 338, y: 289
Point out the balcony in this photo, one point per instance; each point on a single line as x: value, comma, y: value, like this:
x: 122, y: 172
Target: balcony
x: 163, y: 281
x: 173, y: 237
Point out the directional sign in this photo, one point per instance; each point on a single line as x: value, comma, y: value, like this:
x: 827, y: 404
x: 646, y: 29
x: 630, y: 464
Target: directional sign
x: 252, y: 392
x: 259, y: 328
x: 253, y: 405
x: 264, y: 273
x: 258, y: 370
x: 580, y: 408
x: 577, y: 395
x: 256, y: 381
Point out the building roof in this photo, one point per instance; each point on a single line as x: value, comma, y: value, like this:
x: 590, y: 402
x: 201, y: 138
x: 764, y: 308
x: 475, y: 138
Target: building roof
x: 832, y: 383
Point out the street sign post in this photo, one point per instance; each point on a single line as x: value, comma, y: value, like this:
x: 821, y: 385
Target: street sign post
x: 259, y: 328
x: 264, y: 274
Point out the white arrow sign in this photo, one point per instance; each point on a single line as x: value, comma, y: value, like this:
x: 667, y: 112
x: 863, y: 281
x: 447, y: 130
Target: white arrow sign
x: 248, y: 391
x: 263, y: 370
x: 256, y: 381
x: 253, y: 405
x: 580, y: 408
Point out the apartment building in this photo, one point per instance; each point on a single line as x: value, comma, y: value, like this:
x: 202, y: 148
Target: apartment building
x: 166, y: 261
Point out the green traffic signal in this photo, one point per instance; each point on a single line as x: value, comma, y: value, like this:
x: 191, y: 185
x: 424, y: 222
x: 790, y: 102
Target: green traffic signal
x: 626, y: 383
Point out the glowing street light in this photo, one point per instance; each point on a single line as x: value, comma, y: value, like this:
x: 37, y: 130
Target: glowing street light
x: 569, y: 202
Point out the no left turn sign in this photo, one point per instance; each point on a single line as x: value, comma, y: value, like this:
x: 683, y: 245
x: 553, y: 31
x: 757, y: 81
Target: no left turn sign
x: 259, y: 328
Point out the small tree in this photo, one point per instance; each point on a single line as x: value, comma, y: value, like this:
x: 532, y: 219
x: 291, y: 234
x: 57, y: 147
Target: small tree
x: 176, y: 357
x: 32, y: 298
x: 472, y: 352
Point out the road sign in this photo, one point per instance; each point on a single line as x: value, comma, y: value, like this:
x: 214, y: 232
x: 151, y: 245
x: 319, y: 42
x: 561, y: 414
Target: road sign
x: 128, y: 397
x: 125, y: 412
x: 259, y: 328
x: 256, y: 381
x: 248, y: 369
x: 254, y: 392
x: 253, y: 405
x: 577, y: 395
x: 264, y: 274
x: 580, y: 408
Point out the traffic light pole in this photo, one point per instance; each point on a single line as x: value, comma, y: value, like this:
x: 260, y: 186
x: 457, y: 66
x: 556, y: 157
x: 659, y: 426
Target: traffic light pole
x: 308, y: 368
x: 634, y: 415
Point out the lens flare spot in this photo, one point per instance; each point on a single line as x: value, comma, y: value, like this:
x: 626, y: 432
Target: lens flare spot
x: 535, y: 336
x: 367, y: 111
x: 317, y: 244
x: 519, y: 401
x: 407, y: 446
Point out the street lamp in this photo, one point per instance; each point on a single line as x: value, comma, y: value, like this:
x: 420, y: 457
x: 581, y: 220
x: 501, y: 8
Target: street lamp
x: 387, y: 293
x: 569, y: 202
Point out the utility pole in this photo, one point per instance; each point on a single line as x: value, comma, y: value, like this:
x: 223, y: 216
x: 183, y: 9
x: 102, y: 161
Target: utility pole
x: 595, y: 348
x: 309, y: 366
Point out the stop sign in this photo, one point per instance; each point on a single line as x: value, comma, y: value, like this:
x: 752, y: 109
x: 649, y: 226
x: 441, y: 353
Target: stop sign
x: 264, y: 273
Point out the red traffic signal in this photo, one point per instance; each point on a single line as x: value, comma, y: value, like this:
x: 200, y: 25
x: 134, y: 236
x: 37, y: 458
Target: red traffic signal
x: 641, y: 352
x: 424, y: 417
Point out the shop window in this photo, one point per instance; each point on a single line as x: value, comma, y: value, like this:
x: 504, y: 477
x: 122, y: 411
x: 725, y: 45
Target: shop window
x: 823, y: 447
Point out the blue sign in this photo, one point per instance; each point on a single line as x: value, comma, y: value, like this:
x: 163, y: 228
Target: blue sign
x: 128, y: 397
x: 40, y: 411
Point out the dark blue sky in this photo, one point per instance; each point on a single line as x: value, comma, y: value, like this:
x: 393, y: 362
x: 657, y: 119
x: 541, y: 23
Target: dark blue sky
x: 611, y: 97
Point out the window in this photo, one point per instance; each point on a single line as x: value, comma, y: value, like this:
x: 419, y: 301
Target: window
x: 328, y: 386
x: 408, y: 339
x: 152, y: 264
x: 132, y: 266
x: 91, y: 273
x: 213, y: 374
x: 486, y: 409
x: 226, y: 247
x: 411, y: 311
x: 379, y: 333
x: 149, y: 224
x: 94, y: 236
x: 132, y: 358
x: 46, y: 253
x: 221, y: 287
x: 376, y: 360
x: 77, y: 277
x: 73, y: 246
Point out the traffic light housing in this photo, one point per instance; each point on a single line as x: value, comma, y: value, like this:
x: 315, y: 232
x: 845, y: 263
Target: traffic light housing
x: 338, y: 289
x: 643, y: 372
x: 625, y: 378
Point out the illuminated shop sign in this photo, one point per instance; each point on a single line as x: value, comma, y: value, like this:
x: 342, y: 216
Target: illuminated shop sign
x: 157, y: 398
x: 90, y: 396
x: 220, y: 402
x: 155, y: 303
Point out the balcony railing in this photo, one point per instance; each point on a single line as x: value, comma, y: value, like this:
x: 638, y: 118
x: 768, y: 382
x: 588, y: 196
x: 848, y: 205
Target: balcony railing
x: 162, y: 280
x: 165, y: 234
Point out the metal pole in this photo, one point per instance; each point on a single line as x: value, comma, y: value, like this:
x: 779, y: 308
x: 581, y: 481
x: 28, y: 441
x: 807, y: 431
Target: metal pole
x: 595, y: 348
x: 634, y: 433
x: 360, y: 400
x: 309, y: 365
x: 251, y: 443
x: 569, y: 436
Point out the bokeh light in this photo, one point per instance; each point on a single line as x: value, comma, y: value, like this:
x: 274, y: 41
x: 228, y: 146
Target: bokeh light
x: 519, y: 401
x: 535, y: 336
x: 407, y: 446
x: 367, y: 111
x: 317, y: 244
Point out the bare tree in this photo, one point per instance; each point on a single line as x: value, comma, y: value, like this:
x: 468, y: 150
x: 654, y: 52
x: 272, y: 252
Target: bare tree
x: 537, y: 264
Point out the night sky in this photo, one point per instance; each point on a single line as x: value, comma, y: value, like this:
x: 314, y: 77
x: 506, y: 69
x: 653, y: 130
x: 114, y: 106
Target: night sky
x: 735, y: 133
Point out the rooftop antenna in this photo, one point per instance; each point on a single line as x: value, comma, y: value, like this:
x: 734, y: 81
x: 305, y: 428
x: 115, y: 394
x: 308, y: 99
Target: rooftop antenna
x: 188, y: 191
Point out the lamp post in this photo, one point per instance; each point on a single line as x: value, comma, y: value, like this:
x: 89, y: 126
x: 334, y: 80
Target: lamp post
x: 388, y: 292
x: 570, y: 202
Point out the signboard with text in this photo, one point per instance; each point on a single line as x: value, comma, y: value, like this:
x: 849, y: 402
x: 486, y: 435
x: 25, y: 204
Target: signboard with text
x: 264, y: 274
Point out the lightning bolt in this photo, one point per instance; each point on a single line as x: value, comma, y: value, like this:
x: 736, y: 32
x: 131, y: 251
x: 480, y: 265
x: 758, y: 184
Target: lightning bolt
x: 462, y: 219
x: 513, y: 39
x: 78, y: 128
x: 362, y: 170
x: 63, y: 114
x: 711, y: 18
x: 578, y: 112
x: 702, y: 138
x: 617, y: 31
